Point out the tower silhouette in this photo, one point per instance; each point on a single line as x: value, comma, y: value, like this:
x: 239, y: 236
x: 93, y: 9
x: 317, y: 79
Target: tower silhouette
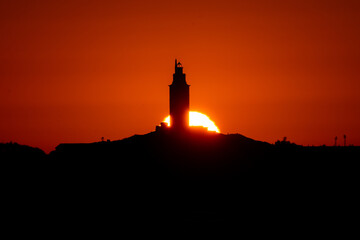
x: 179, y: 100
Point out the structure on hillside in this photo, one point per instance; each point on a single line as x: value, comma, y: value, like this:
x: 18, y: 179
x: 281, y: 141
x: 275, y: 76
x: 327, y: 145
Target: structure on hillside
x: 179, y: 101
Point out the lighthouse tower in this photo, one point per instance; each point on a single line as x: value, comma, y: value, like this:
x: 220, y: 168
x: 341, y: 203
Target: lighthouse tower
x: 179, y: 100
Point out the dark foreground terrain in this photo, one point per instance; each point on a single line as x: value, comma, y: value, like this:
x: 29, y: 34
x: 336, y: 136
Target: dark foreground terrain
x: 163, y: 178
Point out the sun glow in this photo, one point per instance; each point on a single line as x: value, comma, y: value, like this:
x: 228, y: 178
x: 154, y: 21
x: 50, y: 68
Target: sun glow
x: 199, y: 119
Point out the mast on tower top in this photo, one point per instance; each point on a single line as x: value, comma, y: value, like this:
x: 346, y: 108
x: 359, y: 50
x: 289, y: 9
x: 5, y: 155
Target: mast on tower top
x: 178, y: 67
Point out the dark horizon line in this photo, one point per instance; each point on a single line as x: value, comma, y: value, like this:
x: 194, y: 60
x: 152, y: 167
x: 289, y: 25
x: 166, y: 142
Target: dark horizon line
x: 283, y: 142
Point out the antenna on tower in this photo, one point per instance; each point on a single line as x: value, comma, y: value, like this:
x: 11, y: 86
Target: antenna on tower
x: 335, y: 140
x: 177, y: 64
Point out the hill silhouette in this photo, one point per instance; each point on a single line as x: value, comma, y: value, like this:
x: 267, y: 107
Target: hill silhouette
x: 17, y: 151
x: 195, y: 177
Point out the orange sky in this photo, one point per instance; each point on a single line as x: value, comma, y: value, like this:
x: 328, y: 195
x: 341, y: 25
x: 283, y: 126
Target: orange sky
x: 76, y: 71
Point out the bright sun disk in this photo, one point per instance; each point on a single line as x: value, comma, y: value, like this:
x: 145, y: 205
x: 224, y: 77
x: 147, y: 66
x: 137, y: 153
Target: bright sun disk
x: 198, y: 119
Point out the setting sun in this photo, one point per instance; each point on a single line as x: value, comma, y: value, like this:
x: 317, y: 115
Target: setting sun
x: 199, y: 119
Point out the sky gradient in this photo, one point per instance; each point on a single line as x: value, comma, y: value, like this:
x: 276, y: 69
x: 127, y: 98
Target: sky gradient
x: 76, y: 71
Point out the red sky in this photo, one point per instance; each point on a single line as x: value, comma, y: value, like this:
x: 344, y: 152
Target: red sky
x: 76, y: 71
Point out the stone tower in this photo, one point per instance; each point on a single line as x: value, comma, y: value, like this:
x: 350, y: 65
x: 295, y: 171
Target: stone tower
x: 179, y: 100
